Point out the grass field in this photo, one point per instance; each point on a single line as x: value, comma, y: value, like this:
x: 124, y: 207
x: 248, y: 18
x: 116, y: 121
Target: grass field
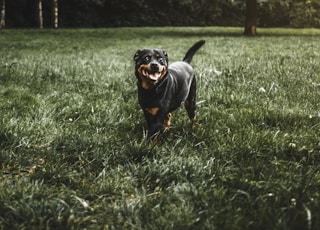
x: 72, y: 148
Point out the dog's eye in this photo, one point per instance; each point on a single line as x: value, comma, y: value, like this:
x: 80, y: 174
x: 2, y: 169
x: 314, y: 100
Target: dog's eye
x: 161, y: 60
x: 146, y: 59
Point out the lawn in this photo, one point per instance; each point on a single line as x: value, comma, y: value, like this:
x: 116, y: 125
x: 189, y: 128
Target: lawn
x: 73, y: 153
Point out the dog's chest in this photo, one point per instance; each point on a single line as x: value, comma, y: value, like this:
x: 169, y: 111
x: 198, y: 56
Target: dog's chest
x: 157, y: 96
x: 168, y: 95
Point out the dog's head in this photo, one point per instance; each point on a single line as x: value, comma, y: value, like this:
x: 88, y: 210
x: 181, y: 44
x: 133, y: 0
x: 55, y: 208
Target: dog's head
x: 151, y: 66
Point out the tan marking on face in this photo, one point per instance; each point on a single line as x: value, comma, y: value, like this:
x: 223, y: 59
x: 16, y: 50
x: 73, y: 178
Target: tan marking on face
x: 163, y: 72
x: 142, y: 68
x: 144, y: 73
x: 152, y: 111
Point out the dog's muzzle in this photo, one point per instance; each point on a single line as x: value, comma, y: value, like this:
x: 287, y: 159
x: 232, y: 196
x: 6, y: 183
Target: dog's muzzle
x: 152, y: 71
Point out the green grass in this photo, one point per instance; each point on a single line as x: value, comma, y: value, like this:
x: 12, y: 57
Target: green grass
x: 72, y: 148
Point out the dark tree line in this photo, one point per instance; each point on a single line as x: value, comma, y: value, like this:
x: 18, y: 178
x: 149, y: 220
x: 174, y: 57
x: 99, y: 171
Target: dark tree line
x: 250, y: 27
x: 112, y: 13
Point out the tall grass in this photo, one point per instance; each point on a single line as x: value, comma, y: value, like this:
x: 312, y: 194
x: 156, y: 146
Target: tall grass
x: 72, y: 147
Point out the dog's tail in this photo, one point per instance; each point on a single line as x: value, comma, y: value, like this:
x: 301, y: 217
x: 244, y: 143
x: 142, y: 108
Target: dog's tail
x: 192, y: 51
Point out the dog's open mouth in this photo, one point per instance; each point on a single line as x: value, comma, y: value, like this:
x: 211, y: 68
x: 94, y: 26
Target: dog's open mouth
x: 152, y: 75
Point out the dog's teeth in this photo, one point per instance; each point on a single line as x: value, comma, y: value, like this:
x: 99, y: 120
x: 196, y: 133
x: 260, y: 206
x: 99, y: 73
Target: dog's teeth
x: 145, y: 72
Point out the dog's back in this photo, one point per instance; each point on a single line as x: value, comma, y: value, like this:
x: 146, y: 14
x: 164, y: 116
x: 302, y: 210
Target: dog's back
x: 182, y: 74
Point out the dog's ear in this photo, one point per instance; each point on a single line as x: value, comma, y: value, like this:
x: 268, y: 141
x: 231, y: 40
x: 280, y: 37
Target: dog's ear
x: 136, y: 55
x: 166, y: 55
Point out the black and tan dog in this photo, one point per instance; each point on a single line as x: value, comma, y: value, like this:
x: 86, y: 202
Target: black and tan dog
x: 162, y: 88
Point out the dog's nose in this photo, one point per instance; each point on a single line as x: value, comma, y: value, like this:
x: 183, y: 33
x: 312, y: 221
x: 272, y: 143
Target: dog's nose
x: 154, y: 66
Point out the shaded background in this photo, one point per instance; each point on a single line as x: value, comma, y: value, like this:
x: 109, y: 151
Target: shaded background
x: 115, y: 13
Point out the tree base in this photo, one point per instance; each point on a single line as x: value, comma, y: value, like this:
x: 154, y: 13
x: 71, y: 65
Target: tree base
x: 250, y: 30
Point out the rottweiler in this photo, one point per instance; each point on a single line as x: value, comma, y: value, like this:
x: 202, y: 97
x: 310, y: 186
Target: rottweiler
x: 162, y: 88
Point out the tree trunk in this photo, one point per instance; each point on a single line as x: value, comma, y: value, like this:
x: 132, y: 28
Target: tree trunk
x: 250, y: 28
x: 55, y: 13
x: 40, y: 14
x: 3, y: 14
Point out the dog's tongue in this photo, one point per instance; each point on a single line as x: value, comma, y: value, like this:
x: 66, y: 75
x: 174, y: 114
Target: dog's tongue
x: 154, y: 76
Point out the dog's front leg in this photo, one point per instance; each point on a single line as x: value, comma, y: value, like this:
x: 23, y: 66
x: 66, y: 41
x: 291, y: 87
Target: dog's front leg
x: 155, y: 124
x: 153, y: 134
